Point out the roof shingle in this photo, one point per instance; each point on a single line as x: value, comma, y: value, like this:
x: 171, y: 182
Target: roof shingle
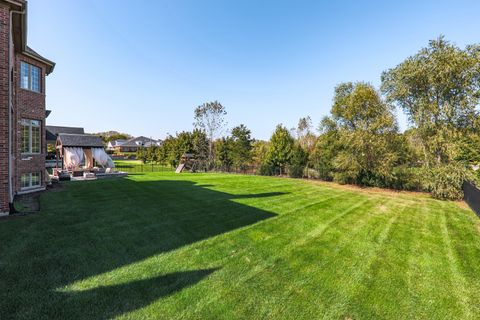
x: 80, y: 140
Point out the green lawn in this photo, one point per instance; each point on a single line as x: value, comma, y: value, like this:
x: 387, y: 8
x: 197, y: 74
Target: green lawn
x: 137, y: 166
x: 213, y: 246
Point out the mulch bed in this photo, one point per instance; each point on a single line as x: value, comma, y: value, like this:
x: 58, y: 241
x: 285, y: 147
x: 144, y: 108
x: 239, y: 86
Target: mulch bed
x: 30, y: 203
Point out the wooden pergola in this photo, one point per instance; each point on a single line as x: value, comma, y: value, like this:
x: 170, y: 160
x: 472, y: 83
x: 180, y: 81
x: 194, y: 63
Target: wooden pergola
x: 68, y: 140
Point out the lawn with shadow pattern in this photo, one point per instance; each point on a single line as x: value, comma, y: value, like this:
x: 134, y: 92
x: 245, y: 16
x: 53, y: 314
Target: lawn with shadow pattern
x: 211, y: 246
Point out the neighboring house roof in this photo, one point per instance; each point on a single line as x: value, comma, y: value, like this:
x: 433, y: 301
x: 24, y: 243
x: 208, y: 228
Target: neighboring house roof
x: 138, y: 142
x: 151, y: 143
x: 53, y: 131
x: 79, y: 140
x: 60, y: 129
x: 50, y: 136
x: 116, y: 143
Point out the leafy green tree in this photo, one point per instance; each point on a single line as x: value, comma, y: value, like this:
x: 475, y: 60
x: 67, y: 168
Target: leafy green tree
x: 281, y: 146
x: 439, y: 89
x: 210, y: 117
x: 259, y: 152
x: 468, y: 149
x: 412, y: 150
x: 326, y: 149
x: 141, y: 155
x: 173, y: 147
x: 367, y: 132
x: 151, y: 154
x: 166, y: 152
x: 241, y: 146
x: 445, y: 182
x: 184, y: 143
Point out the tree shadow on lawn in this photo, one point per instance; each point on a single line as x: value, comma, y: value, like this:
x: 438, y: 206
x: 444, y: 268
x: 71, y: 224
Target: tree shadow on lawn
x: 96, y: 227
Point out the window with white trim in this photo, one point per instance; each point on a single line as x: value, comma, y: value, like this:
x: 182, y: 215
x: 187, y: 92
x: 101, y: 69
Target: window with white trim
x: 31, y: 180
x: 30, y: 77
x: 31, y: 138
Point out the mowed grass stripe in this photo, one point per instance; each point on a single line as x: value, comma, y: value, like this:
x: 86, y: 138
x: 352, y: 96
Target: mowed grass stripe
x: 281, y: 251
x: 323, y: 255
x: 197, y: 246
x: 227, y: 240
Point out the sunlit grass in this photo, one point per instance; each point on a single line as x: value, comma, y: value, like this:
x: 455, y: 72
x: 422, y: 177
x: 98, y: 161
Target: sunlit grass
x: 210, y: 246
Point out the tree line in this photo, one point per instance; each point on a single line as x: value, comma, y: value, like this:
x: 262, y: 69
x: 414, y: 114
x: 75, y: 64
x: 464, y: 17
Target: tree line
x: 359, y: 143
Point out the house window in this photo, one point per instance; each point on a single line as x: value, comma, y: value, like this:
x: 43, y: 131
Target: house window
x: 29, y: 77
x: 31, y: 180
x: 31, y: 139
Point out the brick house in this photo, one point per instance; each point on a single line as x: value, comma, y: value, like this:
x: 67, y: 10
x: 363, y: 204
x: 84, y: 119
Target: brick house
x: 22, y: 107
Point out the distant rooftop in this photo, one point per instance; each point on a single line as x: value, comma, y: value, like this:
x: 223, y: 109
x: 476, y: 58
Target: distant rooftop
x: 138, y: 141
x: 53, y: 131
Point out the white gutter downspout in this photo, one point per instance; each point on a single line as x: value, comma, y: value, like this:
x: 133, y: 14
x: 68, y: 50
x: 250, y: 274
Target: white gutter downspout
x: 10, y: 111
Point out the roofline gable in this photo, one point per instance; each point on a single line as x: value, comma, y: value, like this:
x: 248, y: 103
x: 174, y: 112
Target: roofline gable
x: 20, y: 23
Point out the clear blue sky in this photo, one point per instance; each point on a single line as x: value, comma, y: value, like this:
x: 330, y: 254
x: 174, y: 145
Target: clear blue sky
x: 141, y: 67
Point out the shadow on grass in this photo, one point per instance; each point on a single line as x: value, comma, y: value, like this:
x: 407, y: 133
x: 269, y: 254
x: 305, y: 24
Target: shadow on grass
x: 97, y: 227
x: 130, y: 296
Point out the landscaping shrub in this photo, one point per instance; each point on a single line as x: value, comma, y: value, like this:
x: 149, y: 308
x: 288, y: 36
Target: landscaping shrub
x: 407, y: 178
x: 295, y: 171
x: 445, y: 182
x: 312, y: 173
x: 266, y: 170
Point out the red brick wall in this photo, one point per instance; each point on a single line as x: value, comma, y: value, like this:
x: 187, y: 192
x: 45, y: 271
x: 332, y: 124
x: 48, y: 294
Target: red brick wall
x: 4, y: 35
x: 29, y: 105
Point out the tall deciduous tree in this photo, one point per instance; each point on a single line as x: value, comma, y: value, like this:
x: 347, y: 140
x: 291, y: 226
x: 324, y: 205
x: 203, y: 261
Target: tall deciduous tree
x: 439, y: 89
x: 367, y: 133
x: 210, y: 117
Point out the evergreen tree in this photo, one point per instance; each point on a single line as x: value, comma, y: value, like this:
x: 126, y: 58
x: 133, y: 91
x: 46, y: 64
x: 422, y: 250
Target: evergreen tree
x: 280, y: 151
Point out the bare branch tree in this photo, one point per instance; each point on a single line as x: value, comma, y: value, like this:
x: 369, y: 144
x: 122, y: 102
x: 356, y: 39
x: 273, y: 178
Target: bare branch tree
x: 210, y: 117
